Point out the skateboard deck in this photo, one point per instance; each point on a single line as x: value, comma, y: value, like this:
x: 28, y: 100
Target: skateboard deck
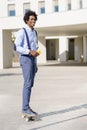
x: 29, y: 117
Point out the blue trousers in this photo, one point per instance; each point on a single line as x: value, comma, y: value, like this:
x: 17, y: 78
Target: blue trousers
x: 28, y: 65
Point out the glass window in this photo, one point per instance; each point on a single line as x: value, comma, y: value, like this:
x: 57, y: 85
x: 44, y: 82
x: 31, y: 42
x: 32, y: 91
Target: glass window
x: 80, y: 4
x: 26, y: 7
x: 41, y: 5
x: 69, y: 5
x: 42, y: 10
x: 11, y: 10
x: 12, y: 13
x: 55, y: 6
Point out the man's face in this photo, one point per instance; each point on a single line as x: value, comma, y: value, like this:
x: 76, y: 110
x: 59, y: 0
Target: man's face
x: 31, y: 22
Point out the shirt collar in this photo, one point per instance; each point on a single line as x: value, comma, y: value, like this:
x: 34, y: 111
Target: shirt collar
x: 27, y: 27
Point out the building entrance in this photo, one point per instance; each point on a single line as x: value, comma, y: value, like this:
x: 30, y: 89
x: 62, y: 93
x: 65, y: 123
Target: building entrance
x: 71, y: 49
x: 50, y: 49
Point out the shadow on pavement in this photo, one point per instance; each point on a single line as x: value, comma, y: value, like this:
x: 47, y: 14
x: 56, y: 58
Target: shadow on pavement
x: 61, y: 112
x: 64, y: 110
x: 10, y: 74
x: 62, y: 121
x: 64, y: 64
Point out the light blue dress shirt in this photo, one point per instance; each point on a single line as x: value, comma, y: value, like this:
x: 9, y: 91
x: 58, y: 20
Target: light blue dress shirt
x: 21, y: 41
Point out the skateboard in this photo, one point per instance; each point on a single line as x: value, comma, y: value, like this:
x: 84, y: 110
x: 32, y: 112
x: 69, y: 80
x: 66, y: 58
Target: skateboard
x: 29, y: 117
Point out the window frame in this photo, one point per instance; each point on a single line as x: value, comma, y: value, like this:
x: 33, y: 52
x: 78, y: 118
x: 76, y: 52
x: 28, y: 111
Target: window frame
x: 41, y: 7
x: 69, y: 6
x: 11, y: 12
x: 25, y: 7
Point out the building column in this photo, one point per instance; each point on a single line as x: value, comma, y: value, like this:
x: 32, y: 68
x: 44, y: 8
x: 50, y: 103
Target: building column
x: 85, y: 48
x: 74, y: 4
x: 78, y: 48
x: 84, y: 3
x: 63, y: 49
x: 34, y: 5
x: 5, y: 49
x: 49, y: 6
x: 62, y: 5
x: 19, y: 8
x: 1, y: 49
x: 42, y: 47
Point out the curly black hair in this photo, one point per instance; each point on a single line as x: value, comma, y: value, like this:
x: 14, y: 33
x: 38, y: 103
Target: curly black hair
x: 28, y: 14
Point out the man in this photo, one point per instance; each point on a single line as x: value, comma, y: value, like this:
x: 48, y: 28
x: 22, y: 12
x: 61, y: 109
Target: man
x: 28, y: 51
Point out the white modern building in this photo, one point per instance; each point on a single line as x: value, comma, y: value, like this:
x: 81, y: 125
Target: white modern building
x: 61, y: 27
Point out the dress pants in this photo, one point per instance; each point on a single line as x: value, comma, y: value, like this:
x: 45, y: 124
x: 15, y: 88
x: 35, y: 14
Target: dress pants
x: 28, y: 65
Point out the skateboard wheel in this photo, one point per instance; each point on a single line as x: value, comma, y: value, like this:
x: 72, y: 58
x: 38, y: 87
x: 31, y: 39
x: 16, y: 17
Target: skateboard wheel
x: 27, y: 120
x: 23, y: 116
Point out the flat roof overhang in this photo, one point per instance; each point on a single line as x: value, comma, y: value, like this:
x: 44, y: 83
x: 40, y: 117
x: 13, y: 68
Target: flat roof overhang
x: 77, y: 29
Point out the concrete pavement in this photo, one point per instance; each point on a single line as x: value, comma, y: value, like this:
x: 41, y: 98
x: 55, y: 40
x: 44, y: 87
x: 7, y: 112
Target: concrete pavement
x: 59, y: 96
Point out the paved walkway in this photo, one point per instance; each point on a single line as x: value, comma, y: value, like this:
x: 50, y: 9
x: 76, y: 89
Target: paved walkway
x: 59, y: 96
